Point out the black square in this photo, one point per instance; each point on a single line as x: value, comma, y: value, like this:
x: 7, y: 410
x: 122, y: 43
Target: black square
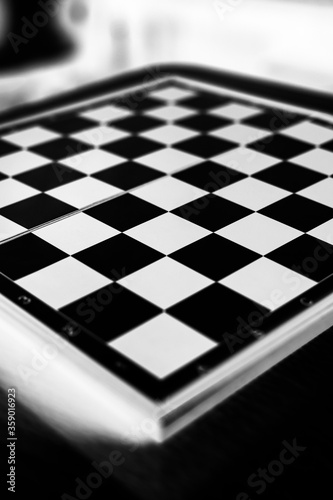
x: 289, y: 176
x: 36, y: 210
x: 212, y: 212
x: 217, y: 312
x: 49, y: 177
x: 68, y: 124
x: 118, y: 256
x: 205, y: 146
x: 125, y: 212
x: 3, y: 177
x: 214, y: 256
x: 128, y: 175
x: 306, y: 255
x: 209, y: 176
x: 298, y: 212
x: 132, y: 147
x: 274, y: 119
x: 111, y: 311
x: 7, y: 149
x: 328, y: 146
x: 26, y: 255
x: 280, y: 146
x: 137, y: 101
x: 203, y: 101
x: 60, y: 148
x: 137, y: 123
x: 203, y: 123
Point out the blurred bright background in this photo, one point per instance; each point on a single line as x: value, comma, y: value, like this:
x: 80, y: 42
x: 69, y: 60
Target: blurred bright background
x: 48, y: 46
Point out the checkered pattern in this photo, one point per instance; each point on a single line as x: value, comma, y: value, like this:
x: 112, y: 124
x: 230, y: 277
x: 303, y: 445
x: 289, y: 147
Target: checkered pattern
x: 157, y: 226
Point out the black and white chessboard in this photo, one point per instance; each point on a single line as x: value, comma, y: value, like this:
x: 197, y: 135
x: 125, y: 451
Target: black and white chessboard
x: 168, y: 230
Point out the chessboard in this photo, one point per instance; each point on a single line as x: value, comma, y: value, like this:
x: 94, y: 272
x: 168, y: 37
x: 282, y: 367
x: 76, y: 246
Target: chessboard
x: 170, y: 229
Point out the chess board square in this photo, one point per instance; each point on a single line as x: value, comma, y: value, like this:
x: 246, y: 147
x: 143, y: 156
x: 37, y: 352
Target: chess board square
x: 118, y: 256
x: 168, y: 193
x: 27, y: 254
x: 318, y: 160
x: 171, y: 93
x: 259, y: 233
x: 12, y: 191
x: 6, y: 148
x: 169, y: 134
x: 125, y: 212
x: 298, y: 212
x: 31, y: 136
x: 169, y: 160
x: 98, y: 136
x: 110, y: 317
x: 132, y: 147
x: 170, y: 113
x: 289, y: 176
x: 307, y: 256
x: 211, y: 212
x: 84, y: 192
x: 209, y: 176
x: 128, y: 175
x: 165, y: 282
x: 167, y: 233
x: 246, y: 161
x: 205, y: 146
x: 138, y: 104
x: 162, y: 345
x: 137, y: 123
x: 328, y: 146
x: 274, y: 119
x: 203, y: 101
x: 8, y: 229
x: 321, y: 191
x: 268, y: 283
x: 240, y: 133
x: 309, y: 132
x: 22, y: 161
x: 76, y: 233
x: 63, y: 282
x: 323, y: 232
x: 106, y: 113
x: 59, y: 149
x: 215, y: 311
x: 280, y: 146
x: 36, y: 210
x: 48, y: 177
x: 235, y: 111
x: 203, y: 122
x: 67, y: 124
x: 252, y: 193
x: 92, y: 161
x: 214, y: 257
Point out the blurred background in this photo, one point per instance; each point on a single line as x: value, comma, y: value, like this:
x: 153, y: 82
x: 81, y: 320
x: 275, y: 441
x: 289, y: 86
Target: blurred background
x: 48, y: 46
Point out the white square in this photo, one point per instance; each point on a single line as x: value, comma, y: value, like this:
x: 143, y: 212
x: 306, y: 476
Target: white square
x: 31, y: 137
x: 323, y: 232
x: 162, y: 345
x: 321, y: 191
x: 12, y: 191
x: 309, y: 132
x: 167, y: 233
x: 259, y: 233
x: 105, y: 114
x: 22, y: 161
x: 243, y: 134
x: 8, y: 229
x: 169, y: 160
x: 168, y: 193
x: 252, y: 193
x: 170, y: 113
x: 171, y: 94
x: 165, y: 282
x: 169, y: 134
x: 92, y: 161
x: 268, y: 283
x: 98, y: 136
x: 235, y: 111
x: 63, y: 282
x: 76, y: 233
x: 84, y: 192
x: 245, y: 160
x: 316, y: 159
